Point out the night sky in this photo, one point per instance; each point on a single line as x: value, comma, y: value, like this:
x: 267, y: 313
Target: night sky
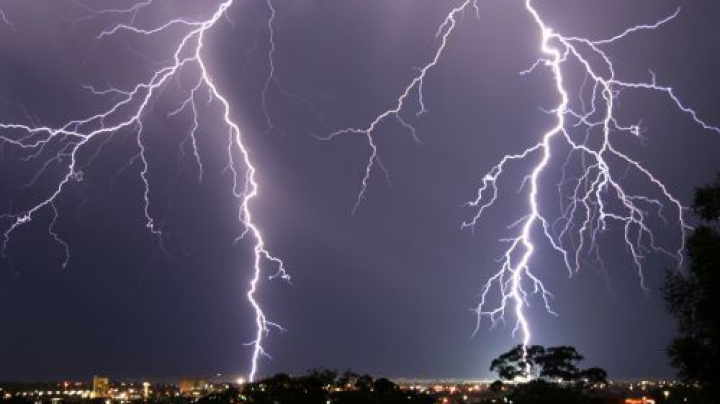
x: 387, y: 291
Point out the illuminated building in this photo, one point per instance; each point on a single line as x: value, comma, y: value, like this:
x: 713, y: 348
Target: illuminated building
x: 192, y: 387
x: 101, y: 387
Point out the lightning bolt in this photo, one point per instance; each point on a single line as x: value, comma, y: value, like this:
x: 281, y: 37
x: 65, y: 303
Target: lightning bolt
x: 395, y: 111
x: 582, y: 136
x: 60, y: 148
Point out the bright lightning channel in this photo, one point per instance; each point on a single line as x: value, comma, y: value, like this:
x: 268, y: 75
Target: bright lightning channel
x: 128, y: 113
x: 596, y: 196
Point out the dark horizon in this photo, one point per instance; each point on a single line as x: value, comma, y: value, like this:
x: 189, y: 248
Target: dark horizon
x: 388, y: 290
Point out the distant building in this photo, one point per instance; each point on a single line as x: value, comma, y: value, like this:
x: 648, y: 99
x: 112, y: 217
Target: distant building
x: 192, y: 387
x: 101, y: 387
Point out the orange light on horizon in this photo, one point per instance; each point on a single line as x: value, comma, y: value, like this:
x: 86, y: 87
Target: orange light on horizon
x: 643, y: 400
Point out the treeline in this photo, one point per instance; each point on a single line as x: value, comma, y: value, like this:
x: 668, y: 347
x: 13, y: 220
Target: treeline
x: 320, y: 387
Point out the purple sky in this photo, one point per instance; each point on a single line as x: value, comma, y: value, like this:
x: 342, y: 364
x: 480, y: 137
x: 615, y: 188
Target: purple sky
x: 387, y: 291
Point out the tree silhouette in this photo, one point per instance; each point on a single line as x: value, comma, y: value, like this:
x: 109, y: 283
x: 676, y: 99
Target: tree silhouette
x: 364, y: 382
x: 554, y: 364
x: 693, y: 298
x: 347, y: 379
x: 322, y: 386
x: 551, y: 375
x: 518, y: 362
x: 594, y: 376
x: 560, y: 363
x: 383, y: 385
x: 543, y: 392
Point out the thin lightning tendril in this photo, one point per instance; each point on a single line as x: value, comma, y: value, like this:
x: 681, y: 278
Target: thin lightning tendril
x: 128, y: 113
x: 6, y: 21
x: 591, y: 200
x: 395, y: 112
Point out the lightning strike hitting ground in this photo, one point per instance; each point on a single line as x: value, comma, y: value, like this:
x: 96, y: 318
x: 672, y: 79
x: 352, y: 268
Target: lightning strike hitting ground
x: 582, y: 137
x: 60, y: 148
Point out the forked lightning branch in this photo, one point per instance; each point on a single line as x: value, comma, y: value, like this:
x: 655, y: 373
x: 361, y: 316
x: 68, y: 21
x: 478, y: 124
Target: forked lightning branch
x: 63, y: 146
x: 591, y: 202
x: 582, y: 140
